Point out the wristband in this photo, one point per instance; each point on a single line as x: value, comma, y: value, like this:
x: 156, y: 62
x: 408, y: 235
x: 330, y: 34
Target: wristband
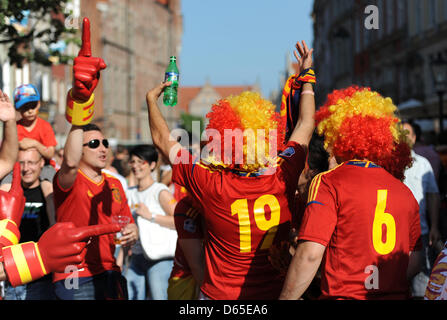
x: 307, y: 76
x: 153, y: 218
x: 79, y: 113
x: 23, y: 263
x: 9, y: 233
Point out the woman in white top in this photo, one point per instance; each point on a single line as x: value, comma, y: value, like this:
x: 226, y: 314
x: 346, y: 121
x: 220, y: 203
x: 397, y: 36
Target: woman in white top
x: 152, y: 205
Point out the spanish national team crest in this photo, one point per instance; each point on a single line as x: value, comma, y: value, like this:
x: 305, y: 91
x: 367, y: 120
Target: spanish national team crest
x: 288, y: 152
x: 116, y: 195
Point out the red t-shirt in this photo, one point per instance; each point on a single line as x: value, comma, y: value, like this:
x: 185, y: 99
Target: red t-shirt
x: 187, y: 219
x: 42, y: 132
x: 369, y: 222
x: 88, y: 203
x: 243, y: 216
x: 179, y: 192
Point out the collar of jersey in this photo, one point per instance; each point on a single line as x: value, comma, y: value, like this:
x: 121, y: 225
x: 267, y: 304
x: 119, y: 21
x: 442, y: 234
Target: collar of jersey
x: 97, y: 183
x: 362, y: 163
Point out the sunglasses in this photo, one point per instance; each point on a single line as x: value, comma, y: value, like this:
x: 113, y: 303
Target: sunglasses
x: 93, y: 144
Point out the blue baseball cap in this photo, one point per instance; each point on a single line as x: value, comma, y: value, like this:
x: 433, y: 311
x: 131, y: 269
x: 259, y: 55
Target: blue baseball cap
x: 24, y: 94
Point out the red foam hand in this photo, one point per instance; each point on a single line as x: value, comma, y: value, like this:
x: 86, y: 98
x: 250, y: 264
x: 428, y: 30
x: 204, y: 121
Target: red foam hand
x: 12, y: 203
x: 86, y: 69
x: 64, y: 244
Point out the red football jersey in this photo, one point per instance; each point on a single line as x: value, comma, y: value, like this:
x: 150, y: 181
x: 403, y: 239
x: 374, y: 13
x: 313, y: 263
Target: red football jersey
x: 42, y: 132
x: 187, y: 219
x: 369, y: 222
x: 243, y: 215
x: 88, y: 203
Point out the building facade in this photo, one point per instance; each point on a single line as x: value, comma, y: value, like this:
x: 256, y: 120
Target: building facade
x: 135, y: 39
x: 197, y: 101
x: 383, y: 44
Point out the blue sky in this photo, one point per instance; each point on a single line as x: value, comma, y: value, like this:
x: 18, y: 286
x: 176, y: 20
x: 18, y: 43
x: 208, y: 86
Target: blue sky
x: 237, y: 42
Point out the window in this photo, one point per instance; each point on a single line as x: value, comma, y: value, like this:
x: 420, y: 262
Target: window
x: 380, y: 5
x: 401, y: 13
x: 389, y: 16
x: 418, y: 14
x: 357, y: 35
x: 432, y: 13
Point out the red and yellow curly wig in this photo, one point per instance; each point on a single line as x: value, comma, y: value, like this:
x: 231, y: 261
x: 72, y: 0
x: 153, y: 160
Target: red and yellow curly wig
x: 245, y: 112
x: 358, y: 123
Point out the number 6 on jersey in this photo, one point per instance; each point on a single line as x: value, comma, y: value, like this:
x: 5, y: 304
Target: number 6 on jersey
x: 382, y: 218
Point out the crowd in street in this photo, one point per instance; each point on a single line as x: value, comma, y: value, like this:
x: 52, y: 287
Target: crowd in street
x: 348, y: 205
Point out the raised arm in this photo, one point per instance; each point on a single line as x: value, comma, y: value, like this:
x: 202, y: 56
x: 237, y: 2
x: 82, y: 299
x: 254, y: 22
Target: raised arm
x: 161, y: 136
x: 80, y: 102
x: 306, y: 123
x: 46, y: 152
x: 302, y: 269
x: 10, y: 145
x: 72, y: 156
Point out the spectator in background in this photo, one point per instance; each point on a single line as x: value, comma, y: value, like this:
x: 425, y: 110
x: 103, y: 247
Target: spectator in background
x: 426, y: 151
x: 165, y: 173
x: 120, y: 158
x: 153, y: 208
x: 422, y: 183
x: 34, y: 132
x: 111, y: 170
x: 37, y: 218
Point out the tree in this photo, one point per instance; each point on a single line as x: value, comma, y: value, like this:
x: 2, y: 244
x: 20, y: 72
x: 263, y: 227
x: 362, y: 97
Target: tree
x: 23, y: 23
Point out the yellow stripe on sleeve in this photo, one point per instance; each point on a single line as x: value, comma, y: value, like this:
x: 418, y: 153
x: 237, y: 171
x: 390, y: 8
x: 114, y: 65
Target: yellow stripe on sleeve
x: 21, y: 264
x: 8, y: 234
x: 40, y: 259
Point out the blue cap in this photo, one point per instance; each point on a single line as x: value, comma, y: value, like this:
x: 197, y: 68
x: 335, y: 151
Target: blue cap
x: 24, y: 94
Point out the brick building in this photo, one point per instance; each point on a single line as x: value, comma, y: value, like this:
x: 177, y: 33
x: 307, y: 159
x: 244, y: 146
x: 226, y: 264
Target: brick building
x: 197, y: 101
x: 136, y: 39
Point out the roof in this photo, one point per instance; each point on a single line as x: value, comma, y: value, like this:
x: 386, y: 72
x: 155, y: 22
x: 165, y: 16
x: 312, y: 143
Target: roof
x: 187, y: 94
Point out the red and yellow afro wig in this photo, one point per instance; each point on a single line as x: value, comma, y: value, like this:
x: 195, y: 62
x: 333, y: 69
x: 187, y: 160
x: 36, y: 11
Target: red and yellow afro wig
x: 247, y: 112
x: 358, y: 123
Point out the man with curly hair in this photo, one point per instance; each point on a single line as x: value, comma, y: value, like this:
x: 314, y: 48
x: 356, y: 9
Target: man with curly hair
x: 244, y: 187
x: 361, y: 222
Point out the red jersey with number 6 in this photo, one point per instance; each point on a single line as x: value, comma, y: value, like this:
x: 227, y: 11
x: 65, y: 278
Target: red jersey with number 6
x: 369, y: 222
x: 244, y: 214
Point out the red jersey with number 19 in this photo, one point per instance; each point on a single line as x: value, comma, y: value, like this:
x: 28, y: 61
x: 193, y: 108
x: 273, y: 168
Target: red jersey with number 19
x: 369, y: 222
x: 243, y: 216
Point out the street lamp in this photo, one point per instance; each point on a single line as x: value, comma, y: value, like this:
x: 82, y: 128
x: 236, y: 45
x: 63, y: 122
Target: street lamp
x: 439, y: 72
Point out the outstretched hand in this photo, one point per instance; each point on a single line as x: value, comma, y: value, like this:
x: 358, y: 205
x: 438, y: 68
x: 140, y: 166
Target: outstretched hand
x: 304, y: 56
x: 7, y: 111
x: 86, y: 69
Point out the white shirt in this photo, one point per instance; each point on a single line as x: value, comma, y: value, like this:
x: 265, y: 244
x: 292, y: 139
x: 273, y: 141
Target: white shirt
x: 150, y: 197
x: 118, y: 176
x: 421, y: 180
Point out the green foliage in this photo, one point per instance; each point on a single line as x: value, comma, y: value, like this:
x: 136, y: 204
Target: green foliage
x: 187, y: 120
x: 47, y: 13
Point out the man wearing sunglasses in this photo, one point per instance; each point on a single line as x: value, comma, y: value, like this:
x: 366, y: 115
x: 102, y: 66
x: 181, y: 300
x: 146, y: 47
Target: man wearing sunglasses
x: 86, y: 196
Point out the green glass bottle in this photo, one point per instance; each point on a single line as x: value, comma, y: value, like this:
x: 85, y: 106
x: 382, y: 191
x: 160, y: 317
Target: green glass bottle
x: 172, y: 74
